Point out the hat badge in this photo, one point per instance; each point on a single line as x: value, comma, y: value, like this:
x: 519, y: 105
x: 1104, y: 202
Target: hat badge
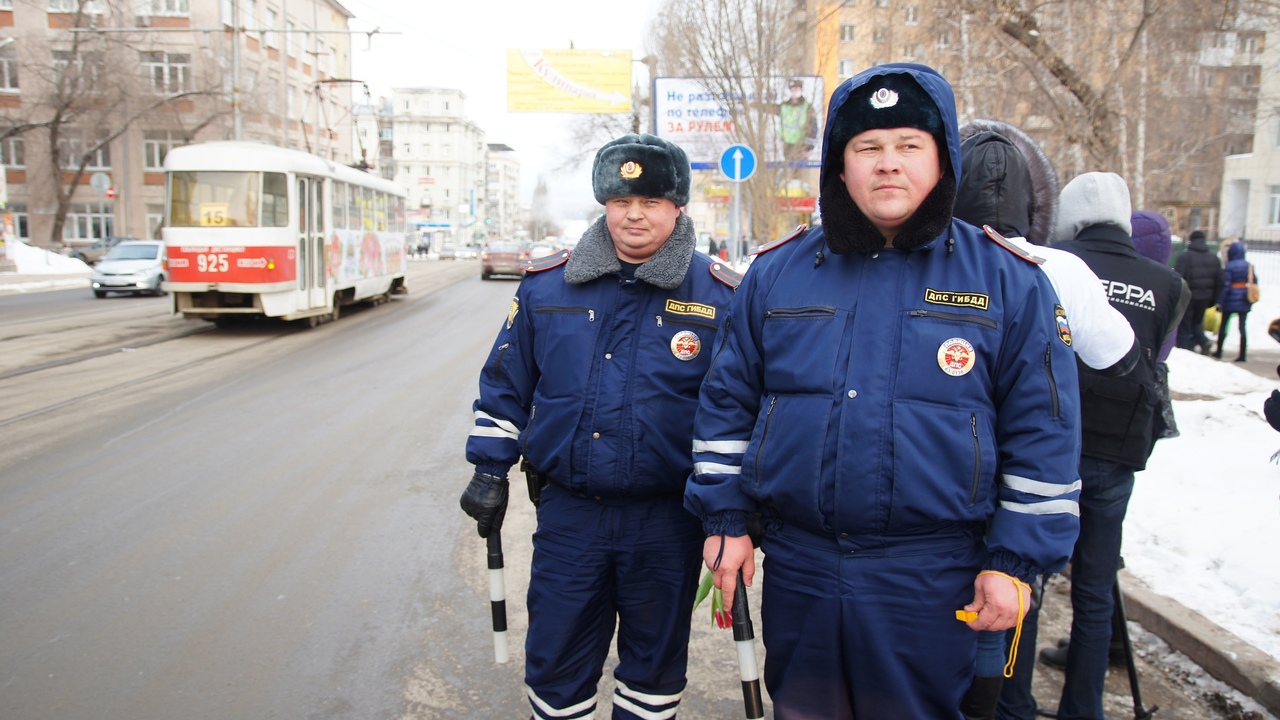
x: 884, y: 98
x: 630, y: 170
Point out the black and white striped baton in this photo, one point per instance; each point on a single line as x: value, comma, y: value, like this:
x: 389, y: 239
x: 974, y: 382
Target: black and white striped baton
x: 744, y: 637
x: 497, y: 597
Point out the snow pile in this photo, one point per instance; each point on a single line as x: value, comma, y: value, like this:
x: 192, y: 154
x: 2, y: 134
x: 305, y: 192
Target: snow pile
x: 1203, y: 526
x: 37, y: 261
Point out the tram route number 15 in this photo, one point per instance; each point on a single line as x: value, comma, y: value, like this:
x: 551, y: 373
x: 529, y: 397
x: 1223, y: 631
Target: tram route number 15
x: 212, y: 262
x: 213, y: 214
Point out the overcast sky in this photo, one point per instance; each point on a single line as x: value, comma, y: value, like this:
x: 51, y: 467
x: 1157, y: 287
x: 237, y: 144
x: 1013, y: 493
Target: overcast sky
x: 463, y: 45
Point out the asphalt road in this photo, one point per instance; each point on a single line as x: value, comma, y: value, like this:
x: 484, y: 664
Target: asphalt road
x: 262, y: 521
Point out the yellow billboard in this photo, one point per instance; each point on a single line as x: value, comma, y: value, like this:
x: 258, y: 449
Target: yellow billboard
x: 585, y: 81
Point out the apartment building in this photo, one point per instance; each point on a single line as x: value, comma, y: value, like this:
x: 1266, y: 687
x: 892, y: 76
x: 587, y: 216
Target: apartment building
x: 1251, y: 181
x: 502, y: 216
x: 145, y: 76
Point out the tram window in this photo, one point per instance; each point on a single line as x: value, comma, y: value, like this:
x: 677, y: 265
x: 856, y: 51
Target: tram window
x: 353, y: 208
x: 214, y: 199
x: 317, y: 205
x: 366, y: 209
x: 339, y: 205
x: 380, y: 211
x: 397, y: 203
x: 275, y: 200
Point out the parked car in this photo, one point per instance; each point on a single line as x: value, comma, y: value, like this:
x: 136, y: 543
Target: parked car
x: 135, y: 266
x: 501, y: 258
x: 94, y: 251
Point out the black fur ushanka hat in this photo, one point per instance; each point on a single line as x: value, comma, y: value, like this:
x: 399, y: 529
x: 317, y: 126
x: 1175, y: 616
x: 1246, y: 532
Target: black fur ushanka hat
x: 642, y: 165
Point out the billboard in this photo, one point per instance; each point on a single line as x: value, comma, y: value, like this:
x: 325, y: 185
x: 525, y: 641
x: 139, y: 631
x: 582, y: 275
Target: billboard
x: 691, y: 113
x: 584, y: 81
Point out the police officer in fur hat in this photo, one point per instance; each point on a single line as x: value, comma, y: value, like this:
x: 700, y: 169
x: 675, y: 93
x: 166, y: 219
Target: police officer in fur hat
x: 593, y: 379
x: 896, y: 395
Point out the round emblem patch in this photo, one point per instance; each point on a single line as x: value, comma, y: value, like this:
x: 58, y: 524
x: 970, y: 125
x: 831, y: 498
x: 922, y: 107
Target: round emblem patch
x: 956, y: 357
x: 686, y: 345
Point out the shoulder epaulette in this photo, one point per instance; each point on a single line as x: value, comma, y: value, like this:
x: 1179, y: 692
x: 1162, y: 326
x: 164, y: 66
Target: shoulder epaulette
x: 726, y: 274
x: 785, y: 239
x: 546, y: 262
x: 1003, y: 242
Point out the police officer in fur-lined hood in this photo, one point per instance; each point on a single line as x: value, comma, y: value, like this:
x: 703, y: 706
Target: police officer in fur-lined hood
x: 593, y: 379
x: 890, y: 384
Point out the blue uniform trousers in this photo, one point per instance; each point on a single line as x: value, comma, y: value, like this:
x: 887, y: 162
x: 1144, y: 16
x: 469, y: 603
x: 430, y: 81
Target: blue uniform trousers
x: 868, y: 634
x: 594, y: 560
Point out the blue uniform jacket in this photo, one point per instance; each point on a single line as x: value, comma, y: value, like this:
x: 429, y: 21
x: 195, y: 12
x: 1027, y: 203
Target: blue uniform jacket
x: 877, y: 397
x: 586, y: 378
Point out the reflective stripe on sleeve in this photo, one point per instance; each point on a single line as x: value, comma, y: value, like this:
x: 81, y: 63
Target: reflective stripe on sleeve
x: 485, y: 431
x: 1037, y: 487
x: 710, y: 468
x: 721, y: 447
x: 507, y: 425
x: 1051, y: 507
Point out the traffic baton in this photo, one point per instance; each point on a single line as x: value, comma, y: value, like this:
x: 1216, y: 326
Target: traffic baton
x: 497, y: 597
x: 745, y: 638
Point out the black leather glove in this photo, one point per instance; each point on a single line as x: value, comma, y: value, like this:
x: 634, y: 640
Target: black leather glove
x: 1271, y: 409
x: 485, y: 499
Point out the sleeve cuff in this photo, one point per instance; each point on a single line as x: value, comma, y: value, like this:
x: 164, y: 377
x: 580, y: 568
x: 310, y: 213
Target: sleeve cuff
x: 1010, y: 564
x: 730, y: 522
x: 494, y: 470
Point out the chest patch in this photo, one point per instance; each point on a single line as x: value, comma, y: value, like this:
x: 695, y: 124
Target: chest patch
x: 686, y: 345
x: 1064, y: 329
x: 676, y: 307
x: 955, y: 298
x: 956, y: 357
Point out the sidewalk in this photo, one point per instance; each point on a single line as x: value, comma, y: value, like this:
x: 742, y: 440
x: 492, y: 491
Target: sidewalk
x: 15, y: 283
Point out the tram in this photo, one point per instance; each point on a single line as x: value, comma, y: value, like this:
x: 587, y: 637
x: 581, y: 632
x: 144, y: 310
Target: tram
x: 254, y: 229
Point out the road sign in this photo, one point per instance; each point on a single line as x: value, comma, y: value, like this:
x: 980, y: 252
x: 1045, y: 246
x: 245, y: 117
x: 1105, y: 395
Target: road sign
x: 111, y: 192
x: 738, y: 162
x: 100, y: 181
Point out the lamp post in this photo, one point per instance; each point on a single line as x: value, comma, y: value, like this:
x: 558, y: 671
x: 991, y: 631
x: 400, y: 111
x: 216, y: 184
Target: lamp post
x: 651, y: 62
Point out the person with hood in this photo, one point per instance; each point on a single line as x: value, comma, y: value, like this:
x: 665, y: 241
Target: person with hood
x: 1009, y: 184
x: 594, y: 379
x: 1234, y: 297
x: 1118, y: 418
x: 1203, y: 272
x: 895, y: 396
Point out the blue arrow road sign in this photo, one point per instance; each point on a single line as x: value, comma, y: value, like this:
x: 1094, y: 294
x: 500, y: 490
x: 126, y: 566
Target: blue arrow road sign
x: 738, y: 162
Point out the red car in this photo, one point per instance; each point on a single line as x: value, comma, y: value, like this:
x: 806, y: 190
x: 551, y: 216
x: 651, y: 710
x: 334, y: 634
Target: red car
x: 501, y: 258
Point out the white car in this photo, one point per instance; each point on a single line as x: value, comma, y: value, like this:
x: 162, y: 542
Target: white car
x: 131, y: 267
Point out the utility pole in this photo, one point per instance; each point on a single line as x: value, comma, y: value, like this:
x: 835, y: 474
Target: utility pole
x: 237, y: 128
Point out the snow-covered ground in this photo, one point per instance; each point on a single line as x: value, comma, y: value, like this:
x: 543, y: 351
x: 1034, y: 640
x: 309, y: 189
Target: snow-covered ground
x: 1203, y: 526
x: 35, y: 262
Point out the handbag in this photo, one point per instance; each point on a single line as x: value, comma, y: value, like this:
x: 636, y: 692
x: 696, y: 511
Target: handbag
x: 1252, y: 291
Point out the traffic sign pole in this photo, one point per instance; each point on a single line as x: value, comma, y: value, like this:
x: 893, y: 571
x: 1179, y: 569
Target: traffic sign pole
x: 738, y: 163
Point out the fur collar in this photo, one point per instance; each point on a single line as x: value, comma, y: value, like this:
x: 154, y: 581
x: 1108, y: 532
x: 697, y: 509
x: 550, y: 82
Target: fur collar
x: 848, y: 230
x: 595, y: 256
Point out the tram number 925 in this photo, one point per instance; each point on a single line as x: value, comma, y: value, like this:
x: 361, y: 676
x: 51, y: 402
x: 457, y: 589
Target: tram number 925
x: 212, y: 262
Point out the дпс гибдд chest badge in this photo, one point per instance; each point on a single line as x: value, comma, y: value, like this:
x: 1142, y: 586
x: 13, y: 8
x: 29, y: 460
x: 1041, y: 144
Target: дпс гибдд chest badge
x: 686, y: 345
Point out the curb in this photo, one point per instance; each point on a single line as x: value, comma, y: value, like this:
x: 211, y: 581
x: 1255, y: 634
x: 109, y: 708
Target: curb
x: 12, y: 284
x: 1221, y: 654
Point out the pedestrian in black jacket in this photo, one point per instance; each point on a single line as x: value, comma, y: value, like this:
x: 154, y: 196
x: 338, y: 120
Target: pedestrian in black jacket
x: 1203, y: 272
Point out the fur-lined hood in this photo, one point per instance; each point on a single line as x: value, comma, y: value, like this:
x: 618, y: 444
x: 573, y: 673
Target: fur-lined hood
x: 1009, y: 182
x: 596, y: 257
x: 846, y: 228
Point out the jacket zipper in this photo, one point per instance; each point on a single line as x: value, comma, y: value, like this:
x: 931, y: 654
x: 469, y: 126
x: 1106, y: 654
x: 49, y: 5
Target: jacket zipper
x: 524, y: 437
x: 689, y: 321
x: 591, y: 314
x: 812, y: 311
x: 768, y: 419
x: 956, y: 317
x: 497, y: 365
x: 1053, y: 382
x: 977, y: 458
x: 724, y: 340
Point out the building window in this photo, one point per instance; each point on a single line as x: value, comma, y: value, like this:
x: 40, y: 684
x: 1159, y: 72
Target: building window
x: 846, y: 33
x: 271, y: 38
x: 1209, y: 77
x: 8, y: 70
x: 156, y: 144
x: 174, y: 8
x: 74, y: 149
x: 13, y: 152
x: 1273, y: 205
x: 155, y: 220
x: 6, y: 4
x: 845, y: 68
x: 167, y: 72
x: 89, y: 221
x: 944, y: 39
x: 80, y: 70
x: 21, y: 221
x: 881, y: 3
x: 912, y: 51
x: 1275, y: 130
x: 91, y: 7
x: 290, y: 46
x: 880, y: 35
x: 1250, y: 44
x: 249, y: 14
x: 913, y: 14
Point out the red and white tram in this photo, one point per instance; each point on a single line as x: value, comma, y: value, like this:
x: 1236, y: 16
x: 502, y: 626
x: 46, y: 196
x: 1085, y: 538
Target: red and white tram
x: 254, y: 229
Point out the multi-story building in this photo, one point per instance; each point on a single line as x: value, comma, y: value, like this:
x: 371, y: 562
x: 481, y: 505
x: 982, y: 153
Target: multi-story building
x: 502, y: 215
x: 140, y: 77
x: 372, y: 138
x: 439, y: 156
x: 1251, y: 181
